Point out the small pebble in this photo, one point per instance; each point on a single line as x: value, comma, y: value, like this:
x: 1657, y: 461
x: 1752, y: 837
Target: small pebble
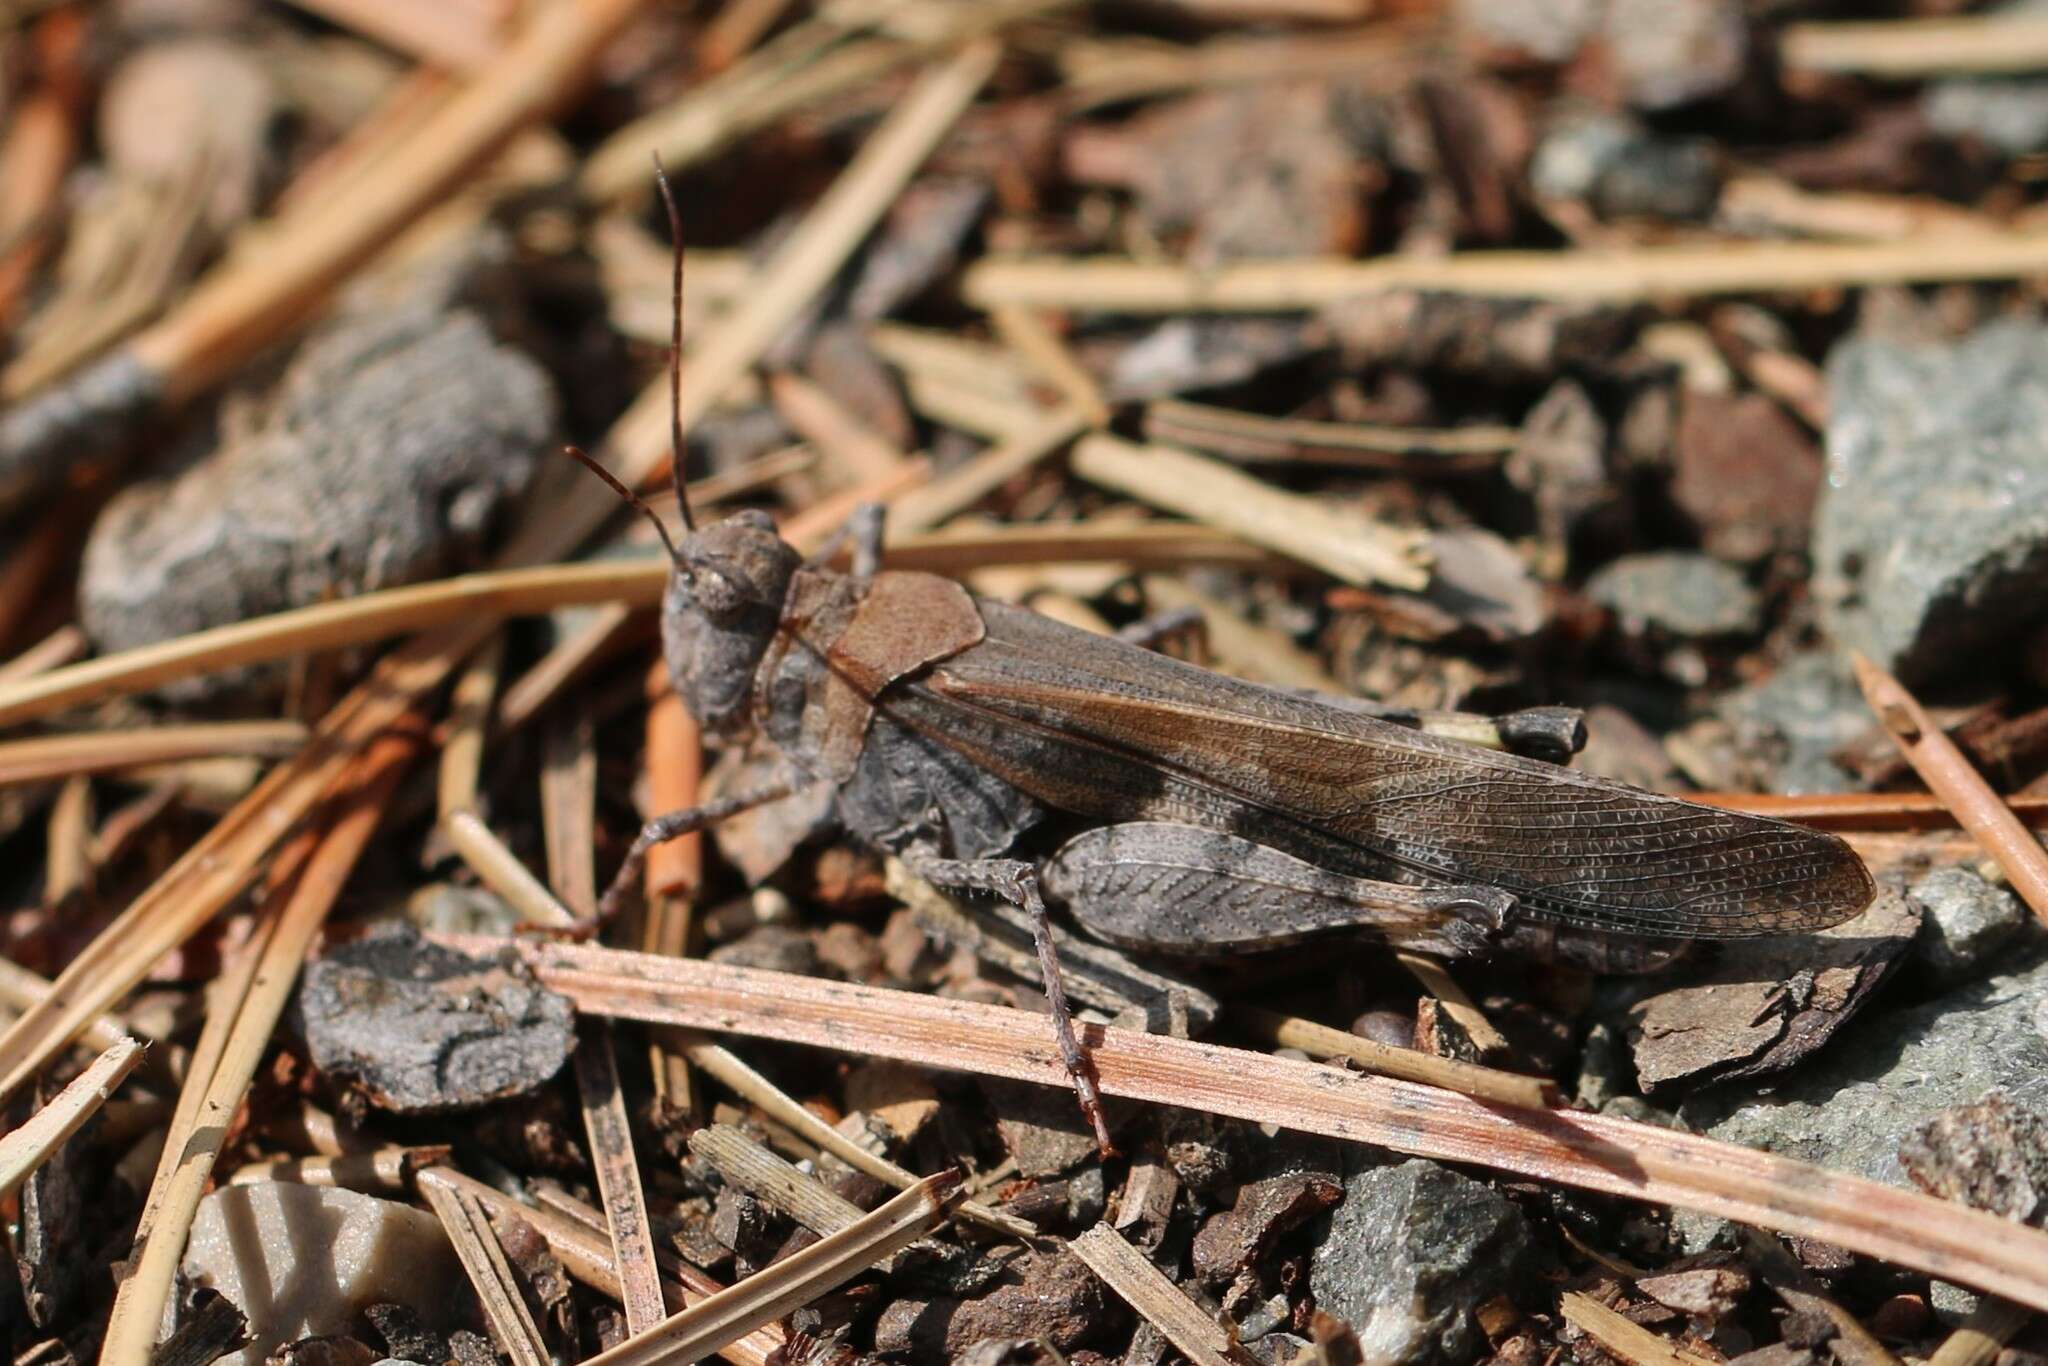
x: 302, y: 1261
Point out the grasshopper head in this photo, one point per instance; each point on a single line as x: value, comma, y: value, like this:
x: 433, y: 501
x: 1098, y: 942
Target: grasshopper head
x: 722, y: 607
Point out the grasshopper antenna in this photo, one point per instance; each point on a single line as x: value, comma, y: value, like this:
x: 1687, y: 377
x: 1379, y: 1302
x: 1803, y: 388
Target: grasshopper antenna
x: 639, y: 504
x: 675, y: 344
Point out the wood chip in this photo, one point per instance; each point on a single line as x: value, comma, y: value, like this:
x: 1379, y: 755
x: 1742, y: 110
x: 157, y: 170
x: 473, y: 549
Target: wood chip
x: 31, y: 1144
x: 793, y: 1282
x: 1165, y: 1305
x: 476, y: 1246
x: 1631, y: 1342
x: 618, y: 1180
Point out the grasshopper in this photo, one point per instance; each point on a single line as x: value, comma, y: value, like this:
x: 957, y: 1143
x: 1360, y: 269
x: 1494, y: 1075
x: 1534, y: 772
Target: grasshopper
x: 1168, y: 807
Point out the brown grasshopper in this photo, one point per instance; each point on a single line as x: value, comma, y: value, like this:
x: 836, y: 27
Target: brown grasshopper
x: 1169, y: 807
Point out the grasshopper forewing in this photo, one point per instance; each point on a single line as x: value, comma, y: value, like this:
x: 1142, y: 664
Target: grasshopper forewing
x: 1105, y: 730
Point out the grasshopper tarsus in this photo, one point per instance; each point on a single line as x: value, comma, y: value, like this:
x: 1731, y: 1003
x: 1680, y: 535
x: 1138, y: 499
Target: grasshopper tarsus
x: 674, y: 825
x: 1016, y: 882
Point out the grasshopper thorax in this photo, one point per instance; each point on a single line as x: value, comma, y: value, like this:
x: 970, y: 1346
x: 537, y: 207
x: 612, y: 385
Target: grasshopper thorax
x: 721, y: 610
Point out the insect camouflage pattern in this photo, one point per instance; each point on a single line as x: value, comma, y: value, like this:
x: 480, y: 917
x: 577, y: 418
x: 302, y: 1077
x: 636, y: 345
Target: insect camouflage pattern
x: 1172, y: 808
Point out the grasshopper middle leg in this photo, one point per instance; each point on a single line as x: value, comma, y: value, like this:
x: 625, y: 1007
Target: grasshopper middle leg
x: 674, y: 825
x: 1016, y: 882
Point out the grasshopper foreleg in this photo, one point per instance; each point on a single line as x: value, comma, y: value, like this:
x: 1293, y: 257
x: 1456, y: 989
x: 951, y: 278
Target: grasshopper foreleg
x: 1017, y: 883
x: 674, y: 825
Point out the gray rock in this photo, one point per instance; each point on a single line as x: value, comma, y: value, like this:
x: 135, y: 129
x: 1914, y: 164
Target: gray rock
x: 1887, y: 1075
x: 1411, y: 1252
x: 1795, y: 721
x: 1548, y: 30
x: 1624, y: 171
x: 416, y: 1028
x: 1931, y: 539
x: 1678, y: 593
x: 1965, y: 923
x: 2009, y: 114
x: 303, y: 1261
x: 1671, y: 52
x: 387, y: 454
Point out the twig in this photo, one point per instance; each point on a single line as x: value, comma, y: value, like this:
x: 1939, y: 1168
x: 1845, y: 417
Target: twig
x: 1415, y: 451
x: 476, y: 1247
x: 1165, y: 1305
x: 387, y: 1171
x: 736, y: 28
x: 1034, y: 340
x: 675, y: 869
x: 976, y: 367
x: 1238, y: 645
x: 794, y: 72
x: 1107, y: 72
x: 807, y: 260
x: 854, y: 449
x: 109, y: 751
x: 475, y: 602
x: 718, y: 1062
x: 255, y: 996
x: 675, y: 768
x: 445, y: 35
x: 1012, y: 455
x: 618, y: 1180
x: 1483, y: 1083
x: 467, y: 598
x: 1966, y: 45
x: 53, y: 651
x: 29, y: 1146
x: 585, y: 1253
x: 605, y: 633
x: 1983, y: 1335
x: 469, y: 713
x: 1629, y: 1341
x: 1867, y: 810
x: 752, y: 1168
x: 568, y: 802
x: 499, y: 869
x: 1349, y: 548
x: 1436, y: 979
x: 1597, y: 1152
x: 67, y: 861
x: 793, y: 1282
x: 1621, y: 276
x: 1944, y: 768
x: 20, y: 989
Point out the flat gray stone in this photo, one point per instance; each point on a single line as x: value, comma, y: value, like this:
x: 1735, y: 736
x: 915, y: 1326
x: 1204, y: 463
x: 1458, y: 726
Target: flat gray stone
x: 1888, y: 1074
x: 306, y: 1261
x: 416, y: 1028
x: 1930, y: 542
x: 1411, y: 1252
x: 1966, y: 923
x: 1794, y: 722
x: 1677, y: 593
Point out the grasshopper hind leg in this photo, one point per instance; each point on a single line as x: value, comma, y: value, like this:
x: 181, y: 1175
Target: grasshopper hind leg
x: 1016, y: 882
